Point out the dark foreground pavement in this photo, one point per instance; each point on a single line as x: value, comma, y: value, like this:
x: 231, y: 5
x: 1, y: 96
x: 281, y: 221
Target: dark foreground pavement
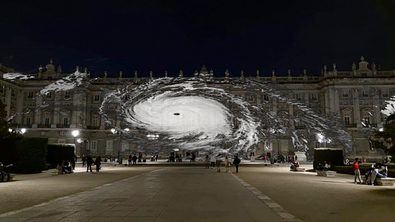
x: 166, y: 194
x: 313, y: 198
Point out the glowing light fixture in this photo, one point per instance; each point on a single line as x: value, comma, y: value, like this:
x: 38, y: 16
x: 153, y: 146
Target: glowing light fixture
x: 75, y: 133
x: 23, y: 130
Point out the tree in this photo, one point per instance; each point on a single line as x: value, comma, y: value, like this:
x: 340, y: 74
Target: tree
x: 384, y: 138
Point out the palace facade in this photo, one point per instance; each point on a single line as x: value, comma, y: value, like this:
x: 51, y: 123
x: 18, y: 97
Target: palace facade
x: 356, y: 96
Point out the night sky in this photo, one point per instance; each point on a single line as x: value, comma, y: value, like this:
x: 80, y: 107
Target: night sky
x: 171, y: 35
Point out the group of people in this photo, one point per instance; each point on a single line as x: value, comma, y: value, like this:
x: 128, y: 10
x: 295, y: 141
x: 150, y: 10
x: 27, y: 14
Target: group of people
x: 216, y: 161
x: 376, y: 170
x: 177, y: 157
x: 294, y: 165
x: 134, y: 159
x: 88, y: 162
x: 66, y: 166
x: 324, y: 166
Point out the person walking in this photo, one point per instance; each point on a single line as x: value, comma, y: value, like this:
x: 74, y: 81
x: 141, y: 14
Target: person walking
x: 98, y: 163
x: 89, y: 162
x: 130, y: 160
x: 212, y: 160
x: 236, y: 162
x: 218, y: 163
x: 140, y: 157
x: 83, y: 160
x: 134, y: 159
x: 357, y: 172
x: 207, y: 162
x: 226, y: 163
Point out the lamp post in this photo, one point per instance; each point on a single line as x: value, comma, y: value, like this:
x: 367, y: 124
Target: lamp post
x: 114, y: 131
x: 75, y: 133
x: 120, y: 132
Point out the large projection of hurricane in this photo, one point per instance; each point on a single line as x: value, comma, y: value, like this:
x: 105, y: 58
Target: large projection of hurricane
x: 188, y: 114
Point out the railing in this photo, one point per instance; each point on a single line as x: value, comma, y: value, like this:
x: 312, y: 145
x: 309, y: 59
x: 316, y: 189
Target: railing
x: 44, y: 126
x: 62, y: 125
x: 351, y: 125
x: 25, y: 126
x: 93, y: 127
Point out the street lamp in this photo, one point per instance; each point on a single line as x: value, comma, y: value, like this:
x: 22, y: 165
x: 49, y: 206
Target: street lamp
x: 23, y: 131
x: 114, y: 131
x: 75, y: 133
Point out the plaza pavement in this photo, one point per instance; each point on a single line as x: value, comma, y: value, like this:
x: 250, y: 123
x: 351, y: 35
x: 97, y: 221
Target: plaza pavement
x: 313, y: 198
x: 30, y: 189
x: 260, y: 193
x: 165, y: 194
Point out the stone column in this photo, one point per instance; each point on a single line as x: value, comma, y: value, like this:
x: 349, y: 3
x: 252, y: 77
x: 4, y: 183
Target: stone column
x: 376, y: 107
x: 306, y: 97
x: 88, y: 111
x: 356, y: 108
x: 258, y: 98
x: 8, y: 101
x: 37, y: 114
x: 275, y: 105
x: 56, y: 111
x: 336, y: 101
x: 102, y: 122
x: 327, y: 104
x: 76, y: 112
x: 291, y: 114
x: 19, y: 106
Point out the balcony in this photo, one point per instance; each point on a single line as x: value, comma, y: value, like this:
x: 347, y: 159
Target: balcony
x: 93, y: 127
x: 62, y: 125
x: 351, y: 125
x: 44, y: 126
x: 25, y: 126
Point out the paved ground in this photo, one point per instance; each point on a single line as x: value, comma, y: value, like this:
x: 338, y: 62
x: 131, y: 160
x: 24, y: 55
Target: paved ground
x: 313, y: 198
x: 33, y: 189
x: 193, y: 194
x: 167, y: 194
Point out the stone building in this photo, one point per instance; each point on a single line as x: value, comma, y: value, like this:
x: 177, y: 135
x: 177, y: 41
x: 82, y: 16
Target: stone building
x: 356, y: 96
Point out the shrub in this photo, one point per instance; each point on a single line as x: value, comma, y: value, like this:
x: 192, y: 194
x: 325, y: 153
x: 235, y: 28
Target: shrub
x: 31, y: 155
x: 58, y: 152
x: 8, y: 153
